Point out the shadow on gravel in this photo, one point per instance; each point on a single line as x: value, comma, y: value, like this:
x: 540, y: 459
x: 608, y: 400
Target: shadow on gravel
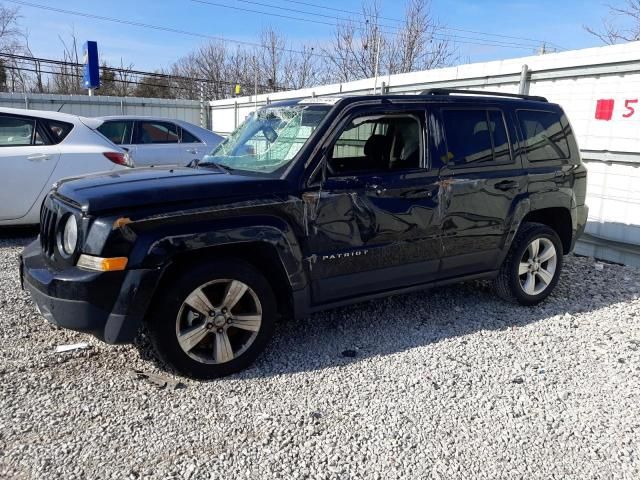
x: 382, y: 327
x: 17, y: 236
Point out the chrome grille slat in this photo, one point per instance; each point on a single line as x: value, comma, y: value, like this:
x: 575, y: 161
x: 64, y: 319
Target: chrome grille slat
x: 48, y: 221
x: 52, y: 232
x: 43, y: 228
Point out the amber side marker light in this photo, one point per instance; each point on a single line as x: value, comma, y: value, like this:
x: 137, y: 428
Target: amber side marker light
x: 100, y: 264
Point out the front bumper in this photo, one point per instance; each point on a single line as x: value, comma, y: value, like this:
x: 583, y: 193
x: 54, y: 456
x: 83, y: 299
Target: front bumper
x: 109, y: 305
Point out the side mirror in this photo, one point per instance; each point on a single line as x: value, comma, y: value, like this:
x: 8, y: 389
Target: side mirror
x: 269, y: 133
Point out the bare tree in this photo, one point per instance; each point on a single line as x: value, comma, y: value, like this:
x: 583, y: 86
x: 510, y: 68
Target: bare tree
x: 621, y: 25
x: 417, y: 46
x: 12, y: 42
x: 154, y: 85
x: 357, y: 46
x: 304, y: 69
x: 269, y: 58
x: 360, y: 46
x: 68, y: 76
x: 119, y: 81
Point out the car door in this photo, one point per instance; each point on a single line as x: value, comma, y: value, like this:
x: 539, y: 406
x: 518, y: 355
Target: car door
x: 481, y: 183
x: 156, y: 143
x: 192, y: 148
x: 27, y: 160
x: 374, y: 223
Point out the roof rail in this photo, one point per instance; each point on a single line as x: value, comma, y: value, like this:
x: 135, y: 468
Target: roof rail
x: 453, y: 91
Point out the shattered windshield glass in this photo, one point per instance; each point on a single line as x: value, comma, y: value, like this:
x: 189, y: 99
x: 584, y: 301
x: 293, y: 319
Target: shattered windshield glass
x: 268, y: 140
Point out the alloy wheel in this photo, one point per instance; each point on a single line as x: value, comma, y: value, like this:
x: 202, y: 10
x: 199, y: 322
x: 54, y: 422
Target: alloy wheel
x: 219, y: 321
x: 538, y: 266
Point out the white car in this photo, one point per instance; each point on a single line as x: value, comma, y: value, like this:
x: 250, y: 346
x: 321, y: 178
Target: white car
x: 158, y: 141
x: 37, y: 148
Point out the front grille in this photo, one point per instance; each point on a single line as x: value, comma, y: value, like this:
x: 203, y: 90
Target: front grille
x: 48, y: 223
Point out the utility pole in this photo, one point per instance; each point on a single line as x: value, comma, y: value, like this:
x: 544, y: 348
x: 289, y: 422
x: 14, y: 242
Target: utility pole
x: 255, y: 65
x: 202, y: 105
x: 375, y: 80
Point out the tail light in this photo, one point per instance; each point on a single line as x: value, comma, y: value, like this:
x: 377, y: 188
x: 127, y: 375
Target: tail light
x: 119, y: 158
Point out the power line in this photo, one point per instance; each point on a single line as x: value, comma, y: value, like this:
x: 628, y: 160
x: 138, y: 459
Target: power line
x: 202, y: 35
x: 146, y: 76
x: 353, y: 12
x: 442, y: 36
x: 65, y: 63
x: 76, y: 75
x: 155, y: 27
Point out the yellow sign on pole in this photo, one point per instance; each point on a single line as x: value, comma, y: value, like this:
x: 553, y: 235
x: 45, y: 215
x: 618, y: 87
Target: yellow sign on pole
x: 237, y: 90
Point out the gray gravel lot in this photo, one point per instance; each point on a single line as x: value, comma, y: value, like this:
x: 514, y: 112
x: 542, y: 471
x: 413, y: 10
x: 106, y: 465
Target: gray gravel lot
x: 451, y: 383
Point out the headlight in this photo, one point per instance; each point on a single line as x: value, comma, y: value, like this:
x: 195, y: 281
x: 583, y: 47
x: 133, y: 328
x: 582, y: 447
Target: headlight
x: 70, y: 235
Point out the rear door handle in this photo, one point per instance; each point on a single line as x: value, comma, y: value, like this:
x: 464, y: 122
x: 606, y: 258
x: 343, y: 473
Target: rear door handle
x: 39, y: 157
x: 506, y: 185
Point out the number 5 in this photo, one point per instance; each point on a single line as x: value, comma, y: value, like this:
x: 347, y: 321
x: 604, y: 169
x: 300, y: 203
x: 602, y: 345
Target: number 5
x: 629, y: 107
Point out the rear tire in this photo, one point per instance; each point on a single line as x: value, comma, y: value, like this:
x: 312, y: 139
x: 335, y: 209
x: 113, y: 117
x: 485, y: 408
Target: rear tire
x: 213, y: 319
x: 532, y: 267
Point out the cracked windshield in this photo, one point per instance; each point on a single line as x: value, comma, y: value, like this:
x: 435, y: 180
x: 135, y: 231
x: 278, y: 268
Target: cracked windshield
x: 269, y: 140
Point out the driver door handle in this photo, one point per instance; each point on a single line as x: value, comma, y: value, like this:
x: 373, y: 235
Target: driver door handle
x: 39, y: 157
x: 192, y: 150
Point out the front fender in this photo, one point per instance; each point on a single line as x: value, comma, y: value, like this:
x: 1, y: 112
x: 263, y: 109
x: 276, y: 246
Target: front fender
x: 155, y: 248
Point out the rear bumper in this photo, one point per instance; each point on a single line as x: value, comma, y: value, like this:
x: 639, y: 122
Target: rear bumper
x: 581, y: 215
x: 110, y: 305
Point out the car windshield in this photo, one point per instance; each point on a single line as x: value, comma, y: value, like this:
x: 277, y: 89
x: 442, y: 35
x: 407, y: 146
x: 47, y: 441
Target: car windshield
x: 268, y: 140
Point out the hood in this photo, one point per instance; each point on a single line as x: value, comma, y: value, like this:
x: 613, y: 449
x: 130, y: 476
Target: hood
x: 145, y: 187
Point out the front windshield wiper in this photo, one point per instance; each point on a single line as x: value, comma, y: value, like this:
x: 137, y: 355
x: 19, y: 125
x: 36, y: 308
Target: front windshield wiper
x: 224, y: 168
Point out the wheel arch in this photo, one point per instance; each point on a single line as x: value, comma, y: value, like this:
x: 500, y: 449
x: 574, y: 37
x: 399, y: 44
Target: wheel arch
x: 556, y: 218
x: 260, y: 254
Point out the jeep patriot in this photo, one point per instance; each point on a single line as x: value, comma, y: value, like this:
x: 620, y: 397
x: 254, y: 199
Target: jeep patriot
x: 308, y: 205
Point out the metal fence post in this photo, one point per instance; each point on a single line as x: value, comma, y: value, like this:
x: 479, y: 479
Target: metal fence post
x: 202, y: 105
x: 524, y: 80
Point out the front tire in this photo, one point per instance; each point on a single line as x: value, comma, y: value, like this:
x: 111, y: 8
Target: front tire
x: 214, y: 319
x: 532, y: 268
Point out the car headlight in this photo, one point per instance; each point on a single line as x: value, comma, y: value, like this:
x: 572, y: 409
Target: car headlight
x: 70, y: 235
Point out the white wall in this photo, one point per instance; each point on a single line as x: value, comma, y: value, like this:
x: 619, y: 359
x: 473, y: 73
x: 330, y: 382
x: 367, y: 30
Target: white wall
x: 576, y: 80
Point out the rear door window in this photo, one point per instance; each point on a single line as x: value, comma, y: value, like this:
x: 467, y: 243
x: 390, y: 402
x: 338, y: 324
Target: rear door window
x: 157, y: 133
x: 118, y: 131
x: 187, y: 137
x: 545, y: 136
x: 476, y: 137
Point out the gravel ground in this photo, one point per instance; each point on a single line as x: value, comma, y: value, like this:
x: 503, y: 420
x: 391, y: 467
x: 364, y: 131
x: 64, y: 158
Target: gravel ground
x: 452, y: 383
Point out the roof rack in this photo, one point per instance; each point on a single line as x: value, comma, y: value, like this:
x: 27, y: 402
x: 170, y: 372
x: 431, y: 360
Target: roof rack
x: 453, y: 91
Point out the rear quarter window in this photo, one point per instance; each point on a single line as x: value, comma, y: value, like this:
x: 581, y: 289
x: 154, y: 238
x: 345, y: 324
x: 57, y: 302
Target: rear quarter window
x: 58, y: 131
x: 117, y: 131
x: 544, y: 135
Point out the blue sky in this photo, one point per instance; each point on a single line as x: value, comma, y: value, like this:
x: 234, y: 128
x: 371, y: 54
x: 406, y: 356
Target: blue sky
x: 559, y: 22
